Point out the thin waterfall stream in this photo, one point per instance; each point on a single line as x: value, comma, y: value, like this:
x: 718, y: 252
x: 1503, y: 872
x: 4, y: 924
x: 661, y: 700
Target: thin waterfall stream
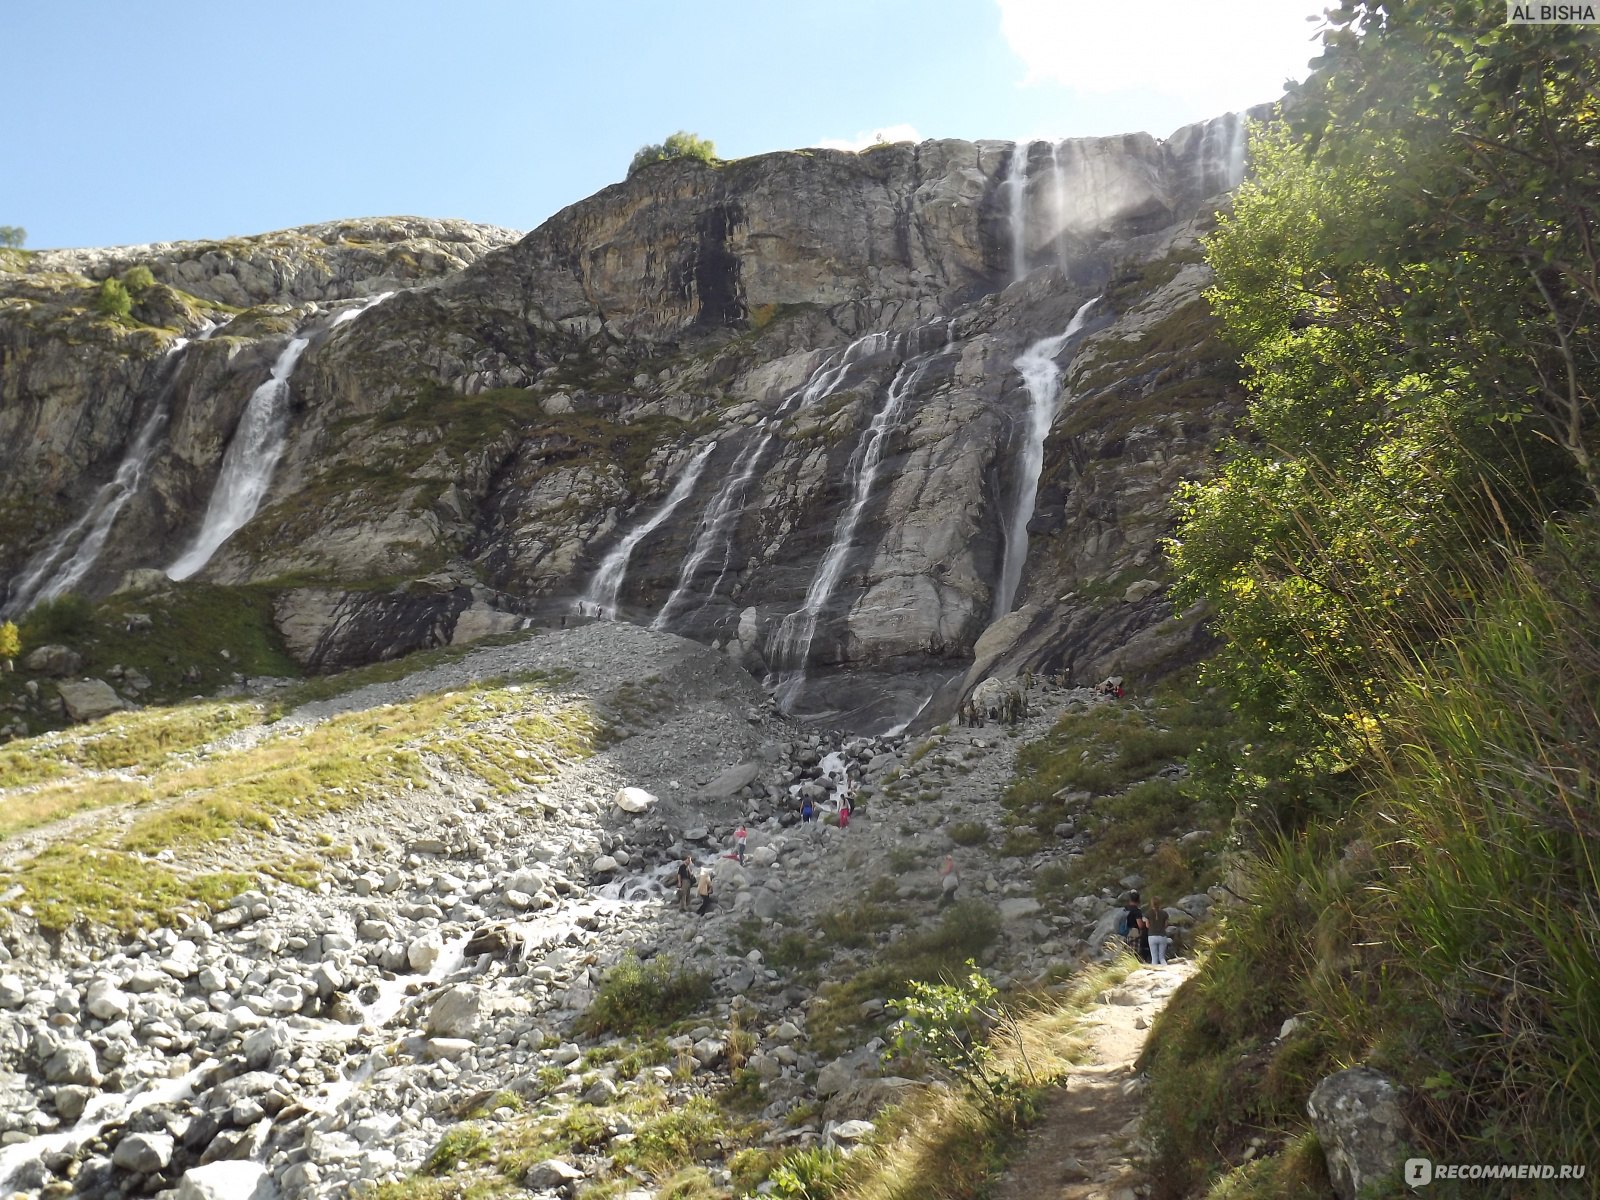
x: 606, y: 586
x: 252, y: 456
x: 73, y: 552
x: 721, y: 514
x: 790, y: 646
x: 1041, y: 376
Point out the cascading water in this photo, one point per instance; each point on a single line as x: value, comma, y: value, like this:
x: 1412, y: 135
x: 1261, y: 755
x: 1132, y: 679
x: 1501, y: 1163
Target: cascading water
x: 790, y: 645
x: 252, y: 456
x: 1042, y: 378
x: 721, y: 513
x: 1058, y: 191
x: 71, y: 555
x: 1017, y: 182
x: 606, y: 585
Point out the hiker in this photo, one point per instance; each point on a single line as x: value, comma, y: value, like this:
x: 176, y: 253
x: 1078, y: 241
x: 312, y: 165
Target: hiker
x: 703, y: 889
x: 1156, y: 923
x: 808, y: 811
x: 949, y: 881
x: 741, y: 839
x: 844, y: 812
x: 685, y: 882
x: 1135, y: 928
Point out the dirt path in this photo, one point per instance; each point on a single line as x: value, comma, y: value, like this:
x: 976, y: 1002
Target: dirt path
x: 1087, y: 1145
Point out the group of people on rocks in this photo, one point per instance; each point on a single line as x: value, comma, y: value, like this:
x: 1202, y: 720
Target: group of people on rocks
x: 1146, y: 930
x: 691, y: 881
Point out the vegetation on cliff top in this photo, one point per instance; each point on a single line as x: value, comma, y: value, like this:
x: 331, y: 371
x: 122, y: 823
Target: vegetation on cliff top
x: 679, y: 145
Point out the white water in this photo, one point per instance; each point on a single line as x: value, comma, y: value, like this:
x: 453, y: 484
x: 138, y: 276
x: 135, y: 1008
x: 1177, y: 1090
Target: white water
x: 721, y: 513
x: 606, y: 585
x: 1058, y: 190
x: 1017, y: 181
x: 73, y: 552
x: 790, y: 645
x: 1042, y: 378
x: 252, y: 456
x: 101, y: 1111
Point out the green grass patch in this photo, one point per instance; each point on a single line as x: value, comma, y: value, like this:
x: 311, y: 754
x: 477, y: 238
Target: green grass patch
x: 507, y: 734
x: 640, y: 997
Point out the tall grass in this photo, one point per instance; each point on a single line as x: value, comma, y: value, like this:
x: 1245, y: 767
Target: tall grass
x: 1445, y: 929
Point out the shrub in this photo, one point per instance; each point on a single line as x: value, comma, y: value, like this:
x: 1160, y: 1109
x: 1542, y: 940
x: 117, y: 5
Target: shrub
x: 113, y: 299
x: 10, y: 642
x: 969, y: 833
x: 460, y: 1144
x: 643, y: 997
x: 57, y: 620
x: 680, y: 145
x: 13, y: 236
x: 137, y: 278
x: 813, y: 1174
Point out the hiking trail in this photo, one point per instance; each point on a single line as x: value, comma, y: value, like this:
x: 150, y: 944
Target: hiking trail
x: 1087, y: 1145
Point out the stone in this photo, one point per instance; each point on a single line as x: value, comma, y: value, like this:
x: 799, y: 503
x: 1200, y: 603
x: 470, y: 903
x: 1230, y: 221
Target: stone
x: 73, y: 1062
x: 143, y: 1152
x: 850, y: 1131
x: 554, y: 1174
x: 71, y: 1100
x: 89, y: 699
x: 634, y: 800
x: 601, y: 1091
x: 457, y: 1013
x: 729, y: 782
x: 221, y: 1181
x: 1140, y: 589
x: 441, y: 1049
x: 12, y: 991
x: 1018, y: 907
x: 1360, y: 1122
x: 424, y: 952
x: 53, y: 660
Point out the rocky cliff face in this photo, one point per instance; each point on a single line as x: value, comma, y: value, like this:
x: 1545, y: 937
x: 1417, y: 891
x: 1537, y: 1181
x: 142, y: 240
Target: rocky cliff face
x: 511, y: 432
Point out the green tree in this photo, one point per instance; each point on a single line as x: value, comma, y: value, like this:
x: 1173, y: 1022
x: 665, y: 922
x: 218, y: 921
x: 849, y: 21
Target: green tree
x: 113, y: 300
x: 679, y: 145
x: 1418, y: 332
x: 10, y: 642
x: 13, y: 235
x: 137, y: 278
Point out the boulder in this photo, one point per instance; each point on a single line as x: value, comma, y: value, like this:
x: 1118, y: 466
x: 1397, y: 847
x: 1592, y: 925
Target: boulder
x: 143, y: 1152
x: 553, y: 1174
x: 730, y: 781
x: 457, y: 1013
x: 1358, y: 1118
x: 634, y: 800
x: 225, y: 1181
x: 53, y: 660
x: 88, y: 699
x: 73, y: 1062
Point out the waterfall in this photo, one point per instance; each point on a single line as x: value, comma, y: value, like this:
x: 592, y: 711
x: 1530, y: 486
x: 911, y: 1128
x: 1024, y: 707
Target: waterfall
x: 606, y: 585
x: 790, y: 645
x: 721, y: 514
x: 1017, y: 181
x: 1042, y: 378
x: 72, y: 553
x: 1058, y: 189
x: 252, y: 456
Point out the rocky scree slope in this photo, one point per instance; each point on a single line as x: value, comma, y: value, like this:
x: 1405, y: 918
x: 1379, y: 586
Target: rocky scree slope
x: 844, y: 327
x: 301, y: 1039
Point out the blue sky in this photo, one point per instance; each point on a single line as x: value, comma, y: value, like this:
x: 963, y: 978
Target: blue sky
x: 171, y: 119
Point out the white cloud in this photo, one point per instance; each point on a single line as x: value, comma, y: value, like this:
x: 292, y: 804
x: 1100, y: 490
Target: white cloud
x: 1214, y: 54
x: 889, y: 133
